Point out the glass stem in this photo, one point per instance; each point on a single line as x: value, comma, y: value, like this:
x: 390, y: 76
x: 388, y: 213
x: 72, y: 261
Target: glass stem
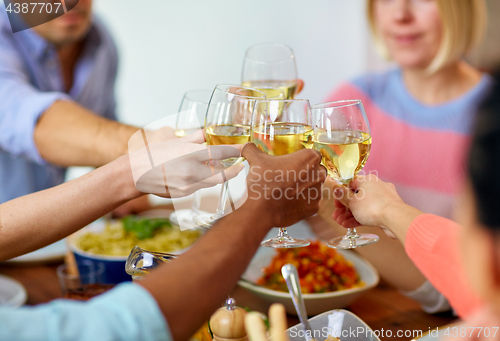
x: 351, y: 233
x: 221, y: 207
x: 282, y: 233
x: 195, y: 206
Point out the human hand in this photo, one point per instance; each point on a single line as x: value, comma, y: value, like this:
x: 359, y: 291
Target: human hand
x: 161, y: 135
x: 179, y: 167
x: 300, y: 86
x: 367, y: 202
x: 288, y: 186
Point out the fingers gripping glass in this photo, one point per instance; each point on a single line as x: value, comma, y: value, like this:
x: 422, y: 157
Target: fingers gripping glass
x: 227, y: 121
x: 342, y: 136
x: 191, y: 118
x: 270, y: 66
x: 281, y: 127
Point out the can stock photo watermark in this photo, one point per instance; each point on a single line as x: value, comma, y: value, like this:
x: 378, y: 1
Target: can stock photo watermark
x: 354, y: 333
x: 26, y: 14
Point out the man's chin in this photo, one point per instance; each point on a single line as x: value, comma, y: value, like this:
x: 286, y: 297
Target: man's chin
x: 71, y: 34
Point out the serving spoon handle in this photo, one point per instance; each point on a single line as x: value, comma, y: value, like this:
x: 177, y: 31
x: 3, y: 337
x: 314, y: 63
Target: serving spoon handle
x: 289, y: 272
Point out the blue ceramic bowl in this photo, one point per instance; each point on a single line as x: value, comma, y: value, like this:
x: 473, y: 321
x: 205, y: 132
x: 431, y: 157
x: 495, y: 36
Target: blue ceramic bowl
x: 114, y: 266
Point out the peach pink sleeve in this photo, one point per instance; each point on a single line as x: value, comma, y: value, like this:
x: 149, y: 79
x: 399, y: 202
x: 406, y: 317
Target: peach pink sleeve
x: 432, y: 244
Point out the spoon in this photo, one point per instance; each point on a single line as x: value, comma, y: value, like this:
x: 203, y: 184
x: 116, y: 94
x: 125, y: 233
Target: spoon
x: 289, y: 272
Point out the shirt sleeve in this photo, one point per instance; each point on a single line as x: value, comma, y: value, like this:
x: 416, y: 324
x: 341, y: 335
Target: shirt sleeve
x: 20, y: 104
x: 127, y: 312
x: 432, y: 244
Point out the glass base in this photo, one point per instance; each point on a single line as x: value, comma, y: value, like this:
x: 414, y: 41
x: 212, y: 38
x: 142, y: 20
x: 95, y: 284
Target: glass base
x: 185, y: 218
x: 284, y: 242
x: 352, y: 242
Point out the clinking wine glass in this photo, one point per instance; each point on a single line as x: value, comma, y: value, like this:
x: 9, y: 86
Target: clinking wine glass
x: 191, y: 118
x: 228, y: 121
x: 342, y: 136
x: 268, y: 66
x: 281, y: 127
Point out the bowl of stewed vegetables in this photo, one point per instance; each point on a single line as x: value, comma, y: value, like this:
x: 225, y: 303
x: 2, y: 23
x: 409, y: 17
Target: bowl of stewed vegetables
x: 329, y: 278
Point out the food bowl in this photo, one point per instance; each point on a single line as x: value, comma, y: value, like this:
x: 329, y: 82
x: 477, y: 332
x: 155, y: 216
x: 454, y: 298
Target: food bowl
x: 114, y: 266
x: 315, y: 303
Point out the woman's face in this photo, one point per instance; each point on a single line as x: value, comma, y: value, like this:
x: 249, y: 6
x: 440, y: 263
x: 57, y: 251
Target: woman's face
x: 410, y: 29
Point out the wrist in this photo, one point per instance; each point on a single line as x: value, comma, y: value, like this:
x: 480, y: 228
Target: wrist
x: 259, y: 212
x: 122, y: 167
x: 397, y: 217
x: 386, y: 215
x: 124, y: 133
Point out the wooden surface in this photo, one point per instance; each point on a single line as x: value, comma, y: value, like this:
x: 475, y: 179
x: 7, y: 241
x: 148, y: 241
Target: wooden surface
x: 382, y: 307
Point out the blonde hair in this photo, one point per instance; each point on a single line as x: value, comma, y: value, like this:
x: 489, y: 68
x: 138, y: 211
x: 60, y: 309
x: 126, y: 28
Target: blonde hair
x: 464, y: 25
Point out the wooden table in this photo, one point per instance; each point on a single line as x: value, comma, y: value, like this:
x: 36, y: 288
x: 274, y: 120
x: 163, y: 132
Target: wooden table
x: 383, y: 307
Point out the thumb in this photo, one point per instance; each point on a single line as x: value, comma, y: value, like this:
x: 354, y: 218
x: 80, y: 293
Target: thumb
x: 250, y: 152
x: 355, y: 183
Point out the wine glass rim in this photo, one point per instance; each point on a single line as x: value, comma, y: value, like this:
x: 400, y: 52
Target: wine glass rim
x: 189, y: 93
x: 292, y: 53
x: 225, y: 88
x: 337, y: 104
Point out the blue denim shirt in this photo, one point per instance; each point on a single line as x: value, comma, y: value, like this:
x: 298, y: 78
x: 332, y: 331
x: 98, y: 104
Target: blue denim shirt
x: 127, y: 312
x: 30, y: 82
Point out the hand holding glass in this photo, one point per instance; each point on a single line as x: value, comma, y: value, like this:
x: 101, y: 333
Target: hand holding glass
x: 228, y: 121
x: 342, y: 136
x: 281, y: 127
x: 191, y: 118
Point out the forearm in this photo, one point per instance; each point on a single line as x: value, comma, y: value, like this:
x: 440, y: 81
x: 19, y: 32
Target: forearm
x: 214, y: 266
x: 389, y: 257
x: 70, y: 135
x: 33, y: 221
x: 433, y: 246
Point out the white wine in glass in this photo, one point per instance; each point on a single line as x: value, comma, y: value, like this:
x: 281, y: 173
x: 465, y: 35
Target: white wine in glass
x: 288, y: 88
x: 270, y: 66
x: 283, y: 138
x: 344, y: 152
x: 227, y: 121
x: 190, y: 119
x: 228, y: 134
x: 342, y: 136
x: 281, y: 127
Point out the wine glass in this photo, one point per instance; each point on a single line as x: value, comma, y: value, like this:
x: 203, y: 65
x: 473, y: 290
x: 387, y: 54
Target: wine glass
x: 270, y: 65
x: 228, y: 121
x: 342, y: 136
x: 191, y: 118
x: 281, y: 127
